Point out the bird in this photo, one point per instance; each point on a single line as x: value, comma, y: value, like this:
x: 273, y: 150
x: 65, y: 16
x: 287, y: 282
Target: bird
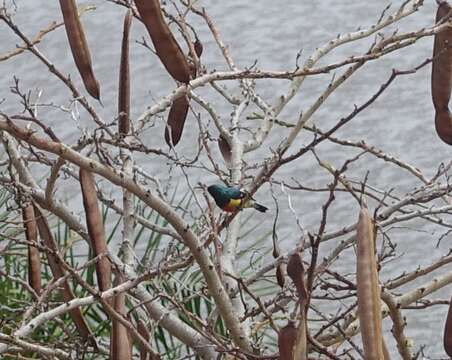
x: 230, y: 198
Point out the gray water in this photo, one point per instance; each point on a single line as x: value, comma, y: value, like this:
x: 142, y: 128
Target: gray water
x: 271, y: 32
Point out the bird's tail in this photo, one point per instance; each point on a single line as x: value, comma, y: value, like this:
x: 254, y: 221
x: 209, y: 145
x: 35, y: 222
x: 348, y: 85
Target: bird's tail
x: 252, y: 204
x: 260, y: 207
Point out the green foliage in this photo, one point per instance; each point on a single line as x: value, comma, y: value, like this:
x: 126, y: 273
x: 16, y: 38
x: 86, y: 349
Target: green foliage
x: 184, y: 289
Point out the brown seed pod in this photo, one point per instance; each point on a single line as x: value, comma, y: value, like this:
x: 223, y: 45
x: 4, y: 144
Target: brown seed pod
x: 34, y: 260
x: 442, y: 77
x: 144, y: 332
x: 58, y: 272
x: 166, y: 46
x: 176, y: 121
x: 120, y: 343
x: 96, y: 229
x: 124, y: 79
x: 448, y: 331
x: 368, y: 289
x: 286, y: 341
x: 225, y: 149
x: 280, y: 268
x: 295, y: 270
x: 191, y: 63
x: 198, y: 47
x: 280, y: 278
x: 79, y: 46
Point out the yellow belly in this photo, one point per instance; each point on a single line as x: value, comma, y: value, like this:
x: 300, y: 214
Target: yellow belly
x: 232, y: 205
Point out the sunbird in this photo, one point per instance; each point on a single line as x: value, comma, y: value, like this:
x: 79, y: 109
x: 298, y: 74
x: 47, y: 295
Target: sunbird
x: 231, y: 198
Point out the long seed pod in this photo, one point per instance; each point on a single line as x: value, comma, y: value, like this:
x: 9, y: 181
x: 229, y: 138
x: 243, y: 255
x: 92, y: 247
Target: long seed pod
x: 368, y: 289
x: 34, y: 261
x: 96, y: 229
x: 166, y: 46
x: 58, y: 272
x: 225, y: 150
x: 287, y: 337
x: 198, y: 47
x: 124, y: 79
x: 280, y: 278
x: 176, y: 120
x: 442, y: 77
x: 144, y: 332
x: 295, y: 270
x: 79, y: 46
x: 280, y: 268
x: 448, y: 331
x: 120, y: 344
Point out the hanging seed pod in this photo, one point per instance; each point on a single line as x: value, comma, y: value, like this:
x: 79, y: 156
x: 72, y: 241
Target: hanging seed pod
x: 286, y: 341
x: 225, y: 149
x: 144, y: 332
x: 442, y: 77
x: 124, y: 80
x: 280, y: 278
x: 176, y: 121
x: 368, y: 289
x: 166, y: 46
x: 280, y: 268
x: 448, y: 331
x: 34, y: 260
x: 95, y: 228
x: 191, y: 63
x: 198, y: 47
x: 79, y: 46
x: 120, y: 343
x: 295, y: 270
x: 58, y: 272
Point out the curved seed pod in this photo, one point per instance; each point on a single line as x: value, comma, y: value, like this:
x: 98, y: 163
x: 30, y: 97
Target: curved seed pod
x: 443, y: 126
x: 124, y: 79
x: 176, y: 121
x: 198, y: 47
x: 96, y: 229
x: 295, y: 270
x: 120, y: 344
x: 448, y: 331
x: 280, y: 278
x: 286, y: 341
x: 280, y: 269
x: 58, y: 272
x: 144, y: 332
x: 368, y: 289
x: 225, y: 149
x: 34, y: 261
x: 191, y: 63
x: 166, y: 46
x: 442, y: 77
x: 79, y: 46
